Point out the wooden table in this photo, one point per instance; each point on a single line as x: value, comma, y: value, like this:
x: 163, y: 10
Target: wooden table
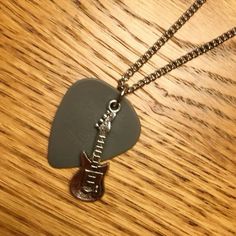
x: 180, y: 178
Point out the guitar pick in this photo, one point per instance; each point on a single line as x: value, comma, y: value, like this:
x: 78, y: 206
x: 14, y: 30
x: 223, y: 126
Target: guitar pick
x: 73, y: 130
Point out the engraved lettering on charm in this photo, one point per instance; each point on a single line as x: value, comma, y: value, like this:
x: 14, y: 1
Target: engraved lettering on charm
x: 88, y: 183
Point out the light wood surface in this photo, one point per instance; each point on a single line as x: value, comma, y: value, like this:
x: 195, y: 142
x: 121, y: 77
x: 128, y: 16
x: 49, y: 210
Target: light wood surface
x: 179, y: 179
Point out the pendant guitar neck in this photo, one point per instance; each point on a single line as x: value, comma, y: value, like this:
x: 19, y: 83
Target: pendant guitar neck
x: 104, y: 127
x: 98, y: 149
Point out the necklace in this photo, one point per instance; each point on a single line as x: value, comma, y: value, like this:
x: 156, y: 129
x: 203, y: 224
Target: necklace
x: 85, y: 102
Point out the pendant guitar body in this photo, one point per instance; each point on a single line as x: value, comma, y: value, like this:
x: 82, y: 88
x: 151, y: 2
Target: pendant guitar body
x: 88, y: 183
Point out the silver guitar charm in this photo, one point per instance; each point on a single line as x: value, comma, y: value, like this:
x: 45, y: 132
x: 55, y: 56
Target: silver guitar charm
x: 88, y: 183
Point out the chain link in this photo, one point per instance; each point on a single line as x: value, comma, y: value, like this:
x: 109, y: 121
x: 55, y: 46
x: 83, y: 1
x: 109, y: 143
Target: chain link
x: 123, y: 86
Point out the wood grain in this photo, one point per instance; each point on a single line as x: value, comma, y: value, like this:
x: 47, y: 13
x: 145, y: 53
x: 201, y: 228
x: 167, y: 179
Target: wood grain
x: 180, y: 178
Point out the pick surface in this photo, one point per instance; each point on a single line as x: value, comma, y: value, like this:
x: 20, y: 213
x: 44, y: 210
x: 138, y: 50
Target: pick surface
x: 73, y: 129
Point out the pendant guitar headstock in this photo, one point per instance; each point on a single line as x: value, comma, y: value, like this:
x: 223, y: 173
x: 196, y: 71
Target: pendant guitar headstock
x: 104, y: 123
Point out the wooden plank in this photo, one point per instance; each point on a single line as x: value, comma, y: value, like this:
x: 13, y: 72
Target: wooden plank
x: 179, y: 179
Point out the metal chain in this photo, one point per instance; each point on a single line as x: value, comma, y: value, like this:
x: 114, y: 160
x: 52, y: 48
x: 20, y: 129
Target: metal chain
x: 182, y: 60
x: 126, y: 89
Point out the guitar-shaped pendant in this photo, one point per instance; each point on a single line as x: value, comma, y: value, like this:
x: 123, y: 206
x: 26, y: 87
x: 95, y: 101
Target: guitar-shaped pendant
x: 88, y: 183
